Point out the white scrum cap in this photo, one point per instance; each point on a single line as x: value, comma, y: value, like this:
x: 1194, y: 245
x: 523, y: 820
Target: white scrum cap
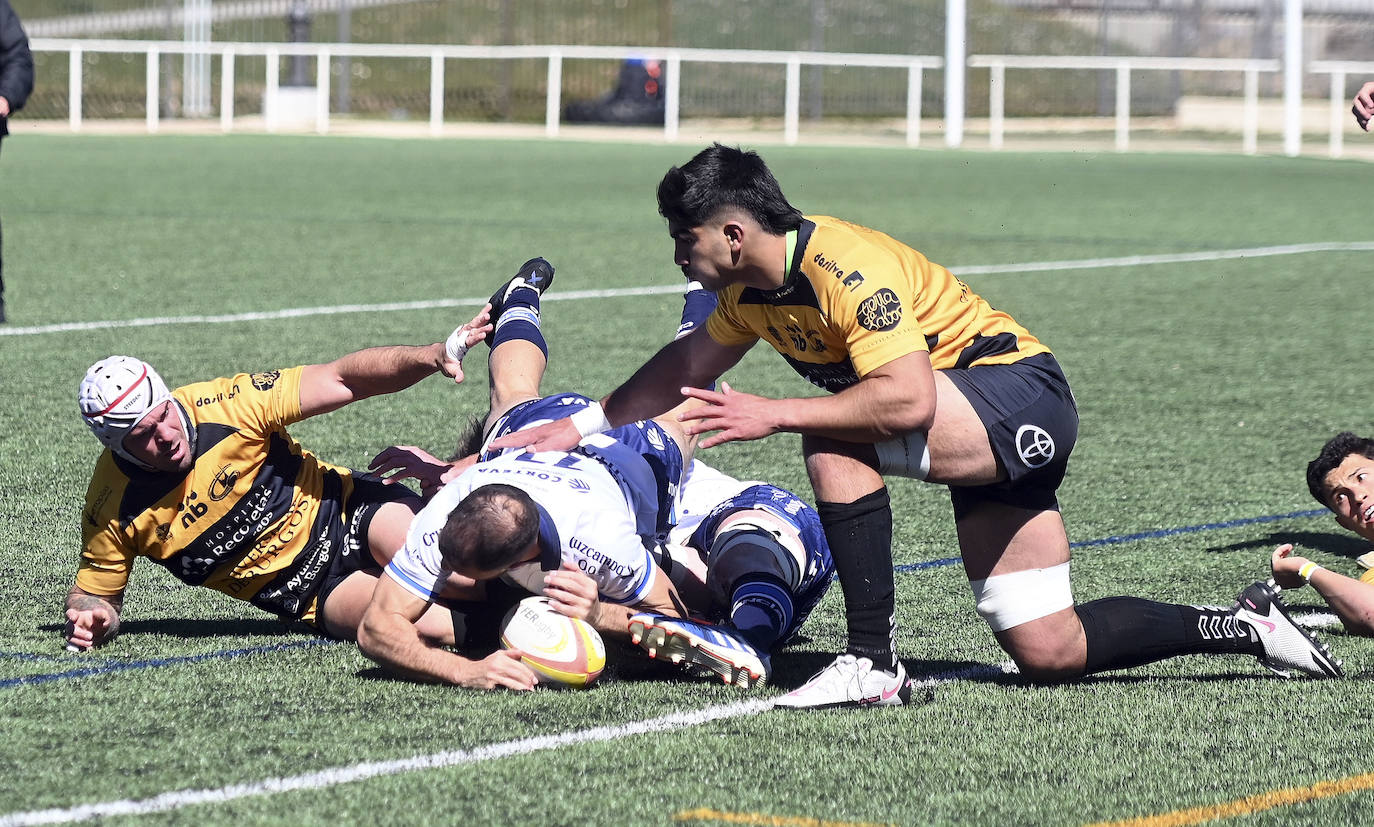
x: 116, y: 393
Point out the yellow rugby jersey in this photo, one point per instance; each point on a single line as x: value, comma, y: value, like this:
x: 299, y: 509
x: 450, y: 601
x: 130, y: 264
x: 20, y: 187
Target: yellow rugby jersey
x: 856, y: 299
x: 257, y: 517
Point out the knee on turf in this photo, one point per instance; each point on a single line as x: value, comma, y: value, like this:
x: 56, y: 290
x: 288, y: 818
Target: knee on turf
x: 1016, y: 606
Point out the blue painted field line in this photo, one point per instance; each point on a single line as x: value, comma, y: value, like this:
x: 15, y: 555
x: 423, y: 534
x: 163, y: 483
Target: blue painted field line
x: 122, y: 666
x: 1144, y: 535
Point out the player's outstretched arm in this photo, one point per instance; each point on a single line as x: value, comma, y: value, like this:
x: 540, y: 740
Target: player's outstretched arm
x: 1350, y: 599
x: 388, y: 636
x: 695, y: 360
x: 895, y: 399
x: 1363, y: 109
x: 91, y: 619
x: 380, y: 370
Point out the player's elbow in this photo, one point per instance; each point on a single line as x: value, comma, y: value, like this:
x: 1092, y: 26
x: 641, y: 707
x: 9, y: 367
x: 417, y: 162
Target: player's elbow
x: 907, y: 416
x: 372, y: 635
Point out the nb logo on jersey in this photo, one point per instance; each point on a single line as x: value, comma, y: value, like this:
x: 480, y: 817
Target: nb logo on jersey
x: 194, y: 511
x: 579, y: 485
x: 1034, y: 446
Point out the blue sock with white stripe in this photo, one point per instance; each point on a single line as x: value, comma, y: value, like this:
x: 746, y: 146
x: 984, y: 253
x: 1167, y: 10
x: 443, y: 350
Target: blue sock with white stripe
x: 697, y: 304
x: 761, y: 610
x: 519, y: 319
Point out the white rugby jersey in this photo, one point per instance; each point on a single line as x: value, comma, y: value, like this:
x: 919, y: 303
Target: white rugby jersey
x: 702, y: 489
x: 585, y: 519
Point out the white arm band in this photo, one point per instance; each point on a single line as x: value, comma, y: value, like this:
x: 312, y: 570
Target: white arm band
x: 591, y: 420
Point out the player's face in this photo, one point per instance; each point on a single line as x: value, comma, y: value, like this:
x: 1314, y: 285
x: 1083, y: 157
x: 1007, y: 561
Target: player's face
x: 1350, y: 492
x: 158, y: 440
x: 703, y: 253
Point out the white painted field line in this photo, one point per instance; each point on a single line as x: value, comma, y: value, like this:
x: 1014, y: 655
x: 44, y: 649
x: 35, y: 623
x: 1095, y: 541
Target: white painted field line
x: 1169, y: 258
x: 358, y: 772
x: 972, y: 270
x: 297, y: 312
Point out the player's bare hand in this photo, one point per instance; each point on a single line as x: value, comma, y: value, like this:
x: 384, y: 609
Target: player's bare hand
x: 463, y: 337
x: 500, y: 669
x: 1285, y: 566
x: 88, y: 627
x: 571, y: 592
x: 400, y: 462
x: 559, y: 435
x: 1363, y: 109
x: 737, y: 417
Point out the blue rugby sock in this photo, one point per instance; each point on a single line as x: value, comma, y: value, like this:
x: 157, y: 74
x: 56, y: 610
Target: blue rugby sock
x: 697, y: 304
x: 761, y: 611
x: 519, y: 319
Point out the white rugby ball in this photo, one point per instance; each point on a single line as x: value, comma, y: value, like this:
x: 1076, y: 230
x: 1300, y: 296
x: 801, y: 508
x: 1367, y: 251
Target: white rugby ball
x: 561, y: 650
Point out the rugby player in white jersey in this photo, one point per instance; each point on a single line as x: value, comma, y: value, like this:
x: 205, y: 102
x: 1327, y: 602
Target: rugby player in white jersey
x: 587, y: 528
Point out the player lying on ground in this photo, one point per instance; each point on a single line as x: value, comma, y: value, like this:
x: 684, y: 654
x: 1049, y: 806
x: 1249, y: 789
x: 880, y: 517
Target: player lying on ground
x: 206, y: 481
x: 927, y: 381
x: 748, y: 558
x: 1341, y: 478
x: 749, y: 553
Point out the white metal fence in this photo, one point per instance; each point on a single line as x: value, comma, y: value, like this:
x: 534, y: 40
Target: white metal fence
x: 1122, y: 67
x: 438, y: 56
x: 678, y: 64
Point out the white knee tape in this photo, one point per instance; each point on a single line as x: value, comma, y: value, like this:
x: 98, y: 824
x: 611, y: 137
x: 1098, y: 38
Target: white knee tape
x: 1008, y: 600
x: 906, y: 456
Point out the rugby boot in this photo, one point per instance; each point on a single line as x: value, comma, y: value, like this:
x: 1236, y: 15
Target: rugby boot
x: 849, y: 682
x: 700, y: 648
x: 536, y: 273
x: 1287, y: 646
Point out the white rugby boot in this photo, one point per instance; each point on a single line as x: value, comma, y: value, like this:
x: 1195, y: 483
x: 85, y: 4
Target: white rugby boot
x: 1287, y: 646
x: 850, y: 681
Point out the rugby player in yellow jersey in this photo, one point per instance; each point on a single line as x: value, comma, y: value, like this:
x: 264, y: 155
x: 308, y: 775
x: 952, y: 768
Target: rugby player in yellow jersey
x: 1341, y: 478
x: 927, y: 381
x: 206, y: 481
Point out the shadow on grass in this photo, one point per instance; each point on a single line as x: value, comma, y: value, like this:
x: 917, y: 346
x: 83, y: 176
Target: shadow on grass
x: 1340, y: 545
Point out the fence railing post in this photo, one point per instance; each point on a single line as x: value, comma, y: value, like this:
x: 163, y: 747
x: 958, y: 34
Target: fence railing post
x: 553, y: 99
x: 226, y: 91
x: 150, y: 90
x: 1249, y: 130
x: 1338, y: 113
x: 792, y: 109
x: 436, y: 93
x: 322, y: 92
x: 269, y: 98
x: 914, y: 76
x: 74, y: 88
x: 1123, y: 106
x: 997, y: 99
x: 672, y: 105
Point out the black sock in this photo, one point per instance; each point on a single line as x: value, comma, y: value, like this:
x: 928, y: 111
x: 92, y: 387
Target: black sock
x: 860, y: 538
x: 1129, y: 631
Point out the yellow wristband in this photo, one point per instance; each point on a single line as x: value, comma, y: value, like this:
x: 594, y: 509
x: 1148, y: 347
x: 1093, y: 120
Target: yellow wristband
x: 1307, y: 569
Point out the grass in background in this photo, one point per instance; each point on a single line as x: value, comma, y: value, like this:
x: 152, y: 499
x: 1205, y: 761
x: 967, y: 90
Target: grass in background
x: 1204, y: 389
